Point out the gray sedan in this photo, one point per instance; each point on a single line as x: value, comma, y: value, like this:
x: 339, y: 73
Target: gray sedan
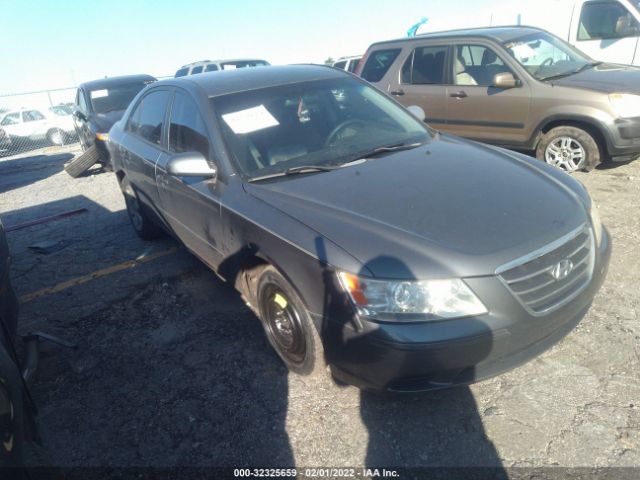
x: 403, y: 258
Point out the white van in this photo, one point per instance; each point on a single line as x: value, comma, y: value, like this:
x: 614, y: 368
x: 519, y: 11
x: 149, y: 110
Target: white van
x: 205, y: 66
x: 606, y: 30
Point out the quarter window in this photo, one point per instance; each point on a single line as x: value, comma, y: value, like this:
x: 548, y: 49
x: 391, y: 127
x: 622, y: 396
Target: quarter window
x: 606, y: 20
x: 477, y: 65
x: 212, y: 67
x: 147, y: 119
x: 425, y: 66
x: 187, y: 130
x: 378, y: 64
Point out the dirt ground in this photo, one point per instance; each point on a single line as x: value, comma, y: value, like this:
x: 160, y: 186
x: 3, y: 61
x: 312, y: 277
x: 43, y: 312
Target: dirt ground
x: 172, y: 369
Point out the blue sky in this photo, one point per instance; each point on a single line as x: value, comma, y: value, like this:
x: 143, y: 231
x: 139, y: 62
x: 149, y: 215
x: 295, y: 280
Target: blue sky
x: 59, y: 43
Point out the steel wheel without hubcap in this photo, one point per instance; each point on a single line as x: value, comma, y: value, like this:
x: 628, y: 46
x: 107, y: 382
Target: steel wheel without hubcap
x: 56, y: 137
x: 566, y: 153
x: 283, y: 324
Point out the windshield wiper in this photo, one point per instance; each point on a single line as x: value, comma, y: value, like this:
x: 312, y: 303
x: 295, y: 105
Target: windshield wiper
x: 571, y: 72
x: 389, y: 148
x: 297, y: 170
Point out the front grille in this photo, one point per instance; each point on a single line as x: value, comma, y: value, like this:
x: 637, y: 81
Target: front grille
x: 531, y: 279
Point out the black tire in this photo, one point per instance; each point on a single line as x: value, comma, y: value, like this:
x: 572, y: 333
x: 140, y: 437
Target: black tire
x: 82, y: 162
x: 579, y: 144
x: 141, y: 222
x: 288, y: 326
x: 55, y: 136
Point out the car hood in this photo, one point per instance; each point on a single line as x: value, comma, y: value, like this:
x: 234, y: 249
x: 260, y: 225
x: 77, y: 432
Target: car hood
x: 104, y: 121
x: 606, y: 77
x: 450, y: 208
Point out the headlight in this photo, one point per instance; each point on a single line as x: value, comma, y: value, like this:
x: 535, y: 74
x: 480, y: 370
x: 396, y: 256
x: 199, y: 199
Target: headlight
x: 411, y: 301
x: 102, y: 136
x: 596, y: 222
x: 625, y: 104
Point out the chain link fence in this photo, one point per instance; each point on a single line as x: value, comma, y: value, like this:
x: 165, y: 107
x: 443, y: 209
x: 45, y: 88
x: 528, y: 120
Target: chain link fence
x: 33, y: 121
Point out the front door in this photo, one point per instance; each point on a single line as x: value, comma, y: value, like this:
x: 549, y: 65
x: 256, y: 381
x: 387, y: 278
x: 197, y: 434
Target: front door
x: 81, y: 124
x: 478, y: 110
x: 606, y: 31
x: 191, y: 205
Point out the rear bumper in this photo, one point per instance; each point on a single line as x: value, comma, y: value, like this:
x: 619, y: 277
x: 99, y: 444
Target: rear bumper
x: 430, y: 356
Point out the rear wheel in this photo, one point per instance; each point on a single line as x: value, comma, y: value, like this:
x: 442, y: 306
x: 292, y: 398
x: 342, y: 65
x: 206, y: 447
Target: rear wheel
x: 569, y: 148
x: 288, y: 326
x: 144, y: 226
x: 55, y: 136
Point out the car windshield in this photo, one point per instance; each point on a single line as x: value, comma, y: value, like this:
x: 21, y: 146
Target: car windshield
x: 322, y: 123
x: 545, y: 56
x: 114, y: 98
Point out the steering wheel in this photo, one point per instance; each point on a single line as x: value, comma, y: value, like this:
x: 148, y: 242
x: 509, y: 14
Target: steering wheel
x: 343, y: 126
x: 547, y: 62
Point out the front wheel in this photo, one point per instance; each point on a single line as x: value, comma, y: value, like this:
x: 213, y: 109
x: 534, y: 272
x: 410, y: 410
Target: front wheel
x: 569, y: 148
x: 288, y: 326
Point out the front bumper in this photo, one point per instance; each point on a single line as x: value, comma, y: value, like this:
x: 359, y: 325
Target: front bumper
x: 623, y: 143
x: 429, y: 356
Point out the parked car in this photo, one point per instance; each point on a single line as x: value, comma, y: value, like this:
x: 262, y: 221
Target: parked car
x: 348, y: 63
x: 205, y: 66
x: 100, y: 104
x: 520, y: 88
x: 607, y: 30
x: 406, y: 259
x: 17, y: 411
x: 36, y: 125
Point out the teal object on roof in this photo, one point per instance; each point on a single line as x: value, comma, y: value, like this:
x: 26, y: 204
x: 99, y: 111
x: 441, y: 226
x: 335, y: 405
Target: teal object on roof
x: 413, y: 30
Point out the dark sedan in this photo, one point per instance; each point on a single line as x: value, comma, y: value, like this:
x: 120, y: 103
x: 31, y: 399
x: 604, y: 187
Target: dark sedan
x: 100, y: 104
x: 405, y: 259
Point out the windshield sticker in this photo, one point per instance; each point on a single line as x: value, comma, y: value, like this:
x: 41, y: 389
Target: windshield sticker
x: 523, y: 51
x: 250, y: 120
x: 99, y: 93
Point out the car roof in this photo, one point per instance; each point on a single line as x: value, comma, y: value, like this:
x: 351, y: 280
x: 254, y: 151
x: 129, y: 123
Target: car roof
x: 498, y: 34
x: 225, y: 60
x: 115, y: 81
x: 223, y: 82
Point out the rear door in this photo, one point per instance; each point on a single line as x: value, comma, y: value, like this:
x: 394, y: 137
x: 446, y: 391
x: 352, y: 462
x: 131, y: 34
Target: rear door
x: 144, y: 142
x: 420, y: 78
x: 606, y: 31
x: 475, y: 108
x: 191, y: 204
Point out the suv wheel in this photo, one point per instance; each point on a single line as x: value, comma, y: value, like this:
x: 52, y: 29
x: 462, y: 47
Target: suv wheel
x: 569, y: 148
x: 288, y: 325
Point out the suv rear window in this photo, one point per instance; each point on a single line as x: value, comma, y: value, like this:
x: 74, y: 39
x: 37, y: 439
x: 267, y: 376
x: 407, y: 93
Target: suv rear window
x: 378, y: 64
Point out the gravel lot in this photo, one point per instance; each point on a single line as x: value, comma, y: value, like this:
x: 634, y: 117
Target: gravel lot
x: 172, y: 369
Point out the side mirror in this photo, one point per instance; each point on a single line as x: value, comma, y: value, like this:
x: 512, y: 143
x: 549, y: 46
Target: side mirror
x: 190, y: 164
x: 79, y: 115
x: 417, y: 112
x: 505, y: 80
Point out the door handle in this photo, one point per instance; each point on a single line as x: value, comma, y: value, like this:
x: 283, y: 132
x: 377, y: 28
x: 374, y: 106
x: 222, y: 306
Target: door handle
x: 397, y: 93
x: 460, y: 94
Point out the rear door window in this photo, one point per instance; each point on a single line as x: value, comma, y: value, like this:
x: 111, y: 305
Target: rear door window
x: 32, y: 116
x: 606, y: 20
x: 147, y: 119
x: 195, y: 70
x: 425, y: 66
x: 378, y: 64
x: 340, y: 65
x: 212, y: 67
x: 187, y: 130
